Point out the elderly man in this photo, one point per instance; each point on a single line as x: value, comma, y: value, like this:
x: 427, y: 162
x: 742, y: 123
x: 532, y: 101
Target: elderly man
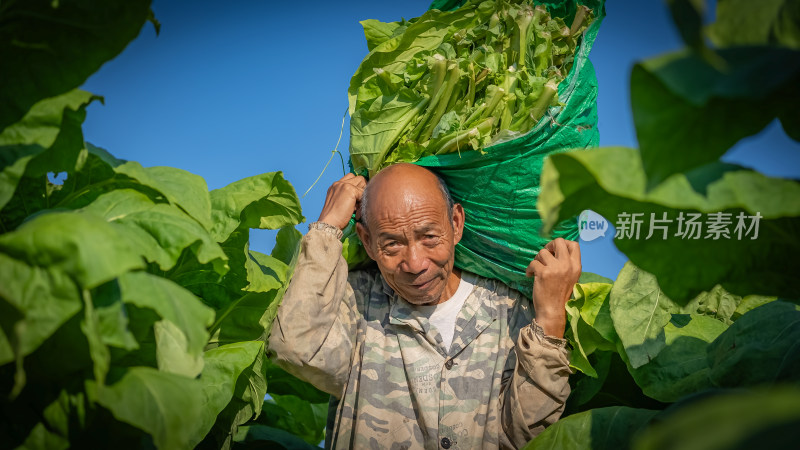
x: 420, y: 354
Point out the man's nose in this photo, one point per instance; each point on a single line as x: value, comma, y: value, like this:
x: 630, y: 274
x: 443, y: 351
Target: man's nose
x: 414, y: 260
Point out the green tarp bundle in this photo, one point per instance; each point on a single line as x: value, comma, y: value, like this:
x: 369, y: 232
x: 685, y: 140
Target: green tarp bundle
x: 499, y: 189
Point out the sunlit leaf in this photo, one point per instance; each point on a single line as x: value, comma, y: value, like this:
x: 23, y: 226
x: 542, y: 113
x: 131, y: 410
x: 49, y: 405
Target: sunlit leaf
x: 165, y: 405
x: 611, y: 182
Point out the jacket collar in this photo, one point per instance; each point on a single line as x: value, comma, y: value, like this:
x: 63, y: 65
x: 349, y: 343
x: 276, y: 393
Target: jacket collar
x: 478, y: 312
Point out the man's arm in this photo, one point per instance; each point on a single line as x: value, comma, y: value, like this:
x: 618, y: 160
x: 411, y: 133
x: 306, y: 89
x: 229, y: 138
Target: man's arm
x: 534, y: 396
x: 314, y: 330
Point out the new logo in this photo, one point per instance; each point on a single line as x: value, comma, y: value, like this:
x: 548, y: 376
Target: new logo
x: 591, y: 225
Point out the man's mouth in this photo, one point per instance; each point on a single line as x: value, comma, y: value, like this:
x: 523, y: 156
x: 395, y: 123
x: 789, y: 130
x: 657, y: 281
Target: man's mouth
x: 424, y: 285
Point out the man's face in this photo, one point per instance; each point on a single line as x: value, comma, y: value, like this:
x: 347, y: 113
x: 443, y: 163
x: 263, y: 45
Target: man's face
x: 411, y: 237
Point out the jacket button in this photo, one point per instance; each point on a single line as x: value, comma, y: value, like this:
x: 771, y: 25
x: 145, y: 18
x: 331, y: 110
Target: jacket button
x: 446, y: 443
x: 449, y: 365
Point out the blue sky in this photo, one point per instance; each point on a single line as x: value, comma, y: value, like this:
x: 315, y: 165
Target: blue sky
x: 233, y: 89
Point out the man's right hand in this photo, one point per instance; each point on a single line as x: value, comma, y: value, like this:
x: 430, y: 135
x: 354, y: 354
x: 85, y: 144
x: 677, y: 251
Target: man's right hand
x: 344, y: 197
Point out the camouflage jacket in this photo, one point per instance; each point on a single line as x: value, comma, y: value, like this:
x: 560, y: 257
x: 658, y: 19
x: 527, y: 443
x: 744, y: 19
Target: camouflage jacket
x: 394, y: 384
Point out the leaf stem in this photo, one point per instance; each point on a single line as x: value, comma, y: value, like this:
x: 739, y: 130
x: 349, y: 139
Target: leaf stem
x: 335, y: 151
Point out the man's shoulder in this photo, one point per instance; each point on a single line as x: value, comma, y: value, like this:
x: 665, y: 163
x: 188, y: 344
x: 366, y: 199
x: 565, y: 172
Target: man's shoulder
x: 371, y: 295
x: 362, y: 280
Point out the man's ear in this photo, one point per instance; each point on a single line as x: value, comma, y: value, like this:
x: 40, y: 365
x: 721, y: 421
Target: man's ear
x: 363, y: 234
x: 458, y: 222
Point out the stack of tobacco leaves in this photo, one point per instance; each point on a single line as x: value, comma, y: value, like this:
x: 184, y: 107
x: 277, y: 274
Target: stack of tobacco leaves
x: 459, y: 80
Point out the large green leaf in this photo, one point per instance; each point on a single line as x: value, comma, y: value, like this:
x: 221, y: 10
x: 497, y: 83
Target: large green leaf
x: 47, y: 138
x: 6, y: 351
x: 708, y: 100
x: 393, y: 54
x: 247, y: 318
x: 373, y: 131
x: 113, y: 319
x: 44, y: 439
x: 377, y: 32
x: 683, y: 104
x: 205, y: 281
x: 261, y: 201
x: 167, y: 325
x: 167, y: 321
x: 642, y: 313
x: 248, y: 398
x: 737, y: 419
x: 602, y: 428
x: 182, y: 188
x: 171, y: 302
x: 171, y: 351
x: 250, y: 315
x: 250, y: 272
x: 749, y: 303
x: 34, y: 302
x: 743, y: 23
x: 688, y: 18
x: 295, y: 415
x: 763, y: 346
x: 166, y: 406
x: 681, y: 367
x: 52, y: 125
x: 98, y: 350
x: 158, y: 230
x: 13, y: 163
x: 49, y: 48
x: 264, y: 272
x: 261, y: 436
x: 353, y: 249
x: 82, y: 186
x: 59, y: 421
x: 223, y: 366
x: 287, y: 245
x: 283, y: 383
x: 84, y: 246
x: 611, y: 182
x: 589, y: 277
x: 63, y: 356
x: 96, y: 173
x: 65, y: 410
x: 582, y: 311
x: 585, y: 387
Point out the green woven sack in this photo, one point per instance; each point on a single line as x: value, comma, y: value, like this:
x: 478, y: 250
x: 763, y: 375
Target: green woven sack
x: 499, y: 189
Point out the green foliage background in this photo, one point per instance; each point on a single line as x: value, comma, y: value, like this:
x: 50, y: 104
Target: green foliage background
x: 695, y: 345
x: 133, y: 314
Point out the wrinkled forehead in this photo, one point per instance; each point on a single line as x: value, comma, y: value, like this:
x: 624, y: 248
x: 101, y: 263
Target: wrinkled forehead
x: 411, y: 208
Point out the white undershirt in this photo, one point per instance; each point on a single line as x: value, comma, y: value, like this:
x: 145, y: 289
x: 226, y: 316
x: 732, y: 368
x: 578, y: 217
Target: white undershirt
x: 443, y: 316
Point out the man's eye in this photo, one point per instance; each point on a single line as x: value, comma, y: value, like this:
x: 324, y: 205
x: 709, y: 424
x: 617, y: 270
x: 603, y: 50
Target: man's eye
x: 391, y: 248
x: 431, y: 238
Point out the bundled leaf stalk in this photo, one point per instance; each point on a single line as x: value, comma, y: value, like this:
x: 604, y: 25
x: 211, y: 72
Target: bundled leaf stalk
x: 460, y: 80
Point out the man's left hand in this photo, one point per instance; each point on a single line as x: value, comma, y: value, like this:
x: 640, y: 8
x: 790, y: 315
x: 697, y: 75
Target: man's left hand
x: 555, y: 270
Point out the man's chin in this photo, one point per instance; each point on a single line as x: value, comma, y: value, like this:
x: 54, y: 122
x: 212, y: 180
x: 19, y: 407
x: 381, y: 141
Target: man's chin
x: 427, y: 295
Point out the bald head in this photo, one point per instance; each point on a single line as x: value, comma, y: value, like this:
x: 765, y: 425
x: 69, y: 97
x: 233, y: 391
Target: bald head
x: 403, y: 177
